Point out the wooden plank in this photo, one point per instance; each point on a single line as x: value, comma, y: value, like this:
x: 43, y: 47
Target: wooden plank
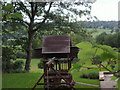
x: 56, y: 44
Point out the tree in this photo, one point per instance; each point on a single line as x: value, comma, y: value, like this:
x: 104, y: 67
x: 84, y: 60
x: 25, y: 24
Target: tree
x: 9, y: 47
x: 109, y: 39
x: 40, y: 17
x: 100, y: 55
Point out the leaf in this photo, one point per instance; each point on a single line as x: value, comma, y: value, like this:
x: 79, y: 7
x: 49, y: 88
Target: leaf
x: 86, y: 52
x: 76, y: 66
x: 107, y: 56
x: 117, y: 67
x: 17, y: 15
x: 108, y: 52
x: 8, y: 7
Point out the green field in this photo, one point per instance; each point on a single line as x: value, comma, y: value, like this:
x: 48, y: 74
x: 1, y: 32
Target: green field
x: 27, y: 80
x: 98, y: 31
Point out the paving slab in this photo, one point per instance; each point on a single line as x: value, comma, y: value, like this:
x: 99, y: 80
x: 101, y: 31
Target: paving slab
x: 108, y: 84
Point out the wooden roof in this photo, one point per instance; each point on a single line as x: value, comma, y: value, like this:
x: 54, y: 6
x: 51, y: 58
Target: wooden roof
x: 56, y: 44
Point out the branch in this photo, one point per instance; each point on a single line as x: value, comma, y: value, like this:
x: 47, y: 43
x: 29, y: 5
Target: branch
x: 44, y: 17
x: 24, y: 8
x: 47, y: 13
x: 111, y: 71
x: 33, y: 9
x: 21, y: 21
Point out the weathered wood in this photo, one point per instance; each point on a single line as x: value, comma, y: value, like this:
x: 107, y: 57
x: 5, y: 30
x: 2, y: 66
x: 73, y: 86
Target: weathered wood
x: 57, y: 53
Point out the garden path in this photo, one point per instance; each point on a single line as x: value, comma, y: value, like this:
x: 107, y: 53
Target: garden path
x: 108, y: 83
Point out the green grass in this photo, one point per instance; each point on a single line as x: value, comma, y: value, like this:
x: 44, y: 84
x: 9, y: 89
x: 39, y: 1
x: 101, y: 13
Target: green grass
x: 27, y: 80
x: 20, y: 80
x: 34, y: 65
x: 113, y: 78
x: 76, y: 77
x: 23, y: 80
x: 99, y: 31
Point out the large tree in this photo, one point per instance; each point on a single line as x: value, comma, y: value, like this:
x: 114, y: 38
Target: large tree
x: 39, y: 17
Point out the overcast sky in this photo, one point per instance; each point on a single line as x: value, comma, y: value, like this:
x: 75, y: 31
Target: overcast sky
x: 106, y: 10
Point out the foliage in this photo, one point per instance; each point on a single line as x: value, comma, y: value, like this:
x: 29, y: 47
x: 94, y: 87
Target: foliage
x: 82, y: 35
x: 76, y: 67
x: 7, y: 57
x: 8, y: 13
x: 90, y: 75
x: 112, y: 25
x: 86, y: 52
x: 20, y: 54
x: 18, y: 66
x: 38, y: 17
x: 40, y: 65
x: 34, y: 65
x: 109, y: 39
x: 99, y: 55
x: 9, y: 64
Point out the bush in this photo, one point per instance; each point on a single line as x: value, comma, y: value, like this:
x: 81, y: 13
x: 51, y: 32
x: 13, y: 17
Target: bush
x: 90, y: 75
x: 40, y: 65
x: 18, y: 66
x: 7, y: 66
x: 21, y: 54
x: 8, y: 55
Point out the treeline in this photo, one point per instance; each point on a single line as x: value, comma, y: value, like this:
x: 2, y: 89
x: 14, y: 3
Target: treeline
x: 102, y: 24
x: 112, y: 40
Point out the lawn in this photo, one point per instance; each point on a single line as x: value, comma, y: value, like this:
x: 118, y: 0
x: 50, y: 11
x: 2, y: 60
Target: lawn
x: 20, y: 80
x: 76, y: 77
x: 27, y: 80
x: 34, y: 65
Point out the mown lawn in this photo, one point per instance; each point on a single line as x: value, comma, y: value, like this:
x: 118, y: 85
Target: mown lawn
x: 20, y: 80
x: 27, y: 80
x: 76, y: 77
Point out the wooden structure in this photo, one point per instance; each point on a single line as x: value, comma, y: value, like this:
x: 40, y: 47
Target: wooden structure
x: 57, y: 53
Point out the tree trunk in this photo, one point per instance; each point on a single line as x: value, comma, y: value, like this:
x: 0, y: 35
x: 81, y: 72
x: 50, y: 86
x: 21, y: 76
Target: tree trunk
x: 29, y: 51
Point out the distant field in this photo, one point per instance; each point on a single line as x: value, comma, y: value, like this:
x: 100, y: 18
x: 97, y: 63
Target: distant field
x: 99, y: 31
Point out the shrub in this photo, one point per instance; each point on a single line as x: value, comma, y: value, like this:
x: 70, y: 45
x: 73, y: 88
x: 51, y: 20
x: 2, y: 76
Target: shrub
x: 21, y: 54
x: 7, y: 66
x: 90, y: 75
x: 18, y: 66
x: 8, y: 55
x: 40, y: 65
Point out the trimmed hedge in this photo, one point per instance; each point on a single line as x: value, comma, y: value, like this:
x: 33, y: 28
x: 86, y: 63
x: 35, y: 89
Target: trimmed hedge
x: 90, y: 75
